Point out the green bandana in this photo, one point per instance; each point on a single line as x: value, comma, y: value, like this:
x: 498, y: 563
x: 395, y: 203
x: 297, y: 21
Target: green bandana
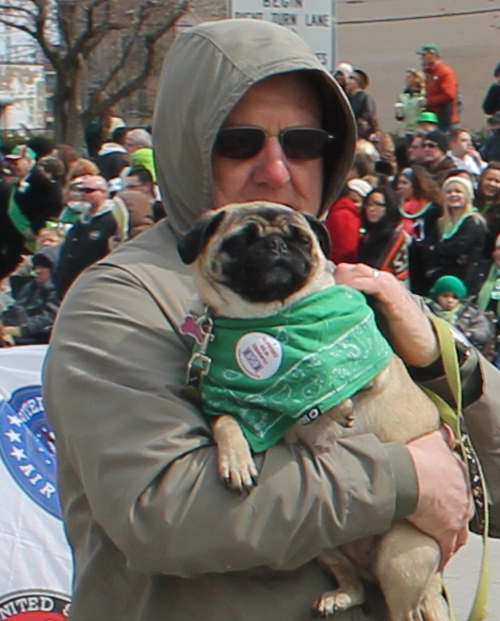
x: 269, y: 372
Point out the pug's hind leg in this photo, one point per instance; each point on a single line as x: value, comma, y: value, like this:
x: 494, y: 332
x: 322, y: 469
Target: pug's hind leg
x: 350, y: 590
x: 234, y: 458
x: 406, y: 567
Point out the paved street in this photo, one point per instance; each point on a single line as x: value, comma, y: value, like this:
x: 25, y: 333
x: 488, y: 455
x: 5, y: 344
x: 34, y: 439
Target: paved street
x: 462, y: 575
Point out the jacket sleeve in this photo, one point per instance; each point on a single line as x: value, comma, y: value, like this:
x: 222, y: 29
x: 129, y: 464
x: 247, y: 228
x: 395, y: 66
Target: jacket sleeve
x: 142, y: 454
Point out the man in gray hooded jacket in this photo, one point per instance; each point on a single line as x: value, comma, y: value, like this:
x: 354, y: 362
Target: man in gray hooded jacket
x: 156, y: 535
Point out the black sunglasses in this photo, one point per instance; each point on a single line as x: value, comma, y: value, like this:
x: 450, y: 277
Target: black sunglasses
x: 298, y: 143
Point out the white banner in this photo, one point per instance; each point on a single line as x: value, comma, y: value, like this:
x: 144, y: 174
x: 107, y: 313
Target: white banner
x: 35, y: 559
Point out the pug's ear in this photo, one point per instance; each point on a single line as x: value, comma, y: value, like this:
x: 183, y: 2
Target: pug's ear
x: 194, y: 241
x: 321, y: 232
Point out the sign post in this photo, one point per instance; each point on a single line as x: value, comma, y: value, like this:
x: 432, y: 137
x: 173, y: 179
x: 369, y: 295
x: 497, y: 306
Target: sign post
x: 312, y: 20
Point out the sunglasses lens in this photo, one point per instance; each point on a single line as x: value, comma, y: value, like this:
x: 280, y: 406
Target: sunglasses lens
x: 301, y: 143
x: 239, y: 143
x: 304, y: 143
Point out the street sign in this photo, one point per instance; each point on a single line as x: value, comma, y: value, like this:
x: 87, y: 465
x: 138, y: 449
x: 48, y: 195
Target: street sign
x: 313, y: 20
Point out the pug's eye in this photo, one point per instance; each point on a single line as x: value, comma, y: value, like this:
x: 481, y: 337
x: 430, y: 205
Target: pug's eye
x: 237, y: 245
x: 300, y: 238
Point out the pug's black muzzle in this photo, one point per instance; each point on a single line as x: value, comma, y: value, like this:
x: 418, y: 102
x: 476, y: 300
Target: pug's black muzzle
x: 268, y: 269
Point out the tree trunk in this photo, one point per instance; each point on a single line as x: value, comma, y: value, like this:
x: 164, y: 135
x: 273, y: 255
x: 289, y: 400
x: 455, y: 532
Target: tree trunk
x: 67, y: 108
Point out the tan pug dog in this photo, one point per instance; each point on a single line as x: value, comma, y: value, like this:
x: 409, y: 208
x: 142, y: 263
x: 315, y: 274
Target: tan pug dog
x: 253, y: 260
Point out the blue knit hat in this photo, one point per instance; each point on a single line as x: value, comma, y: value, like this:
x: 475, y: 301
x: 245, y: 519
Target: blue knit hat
x: 448, y: 284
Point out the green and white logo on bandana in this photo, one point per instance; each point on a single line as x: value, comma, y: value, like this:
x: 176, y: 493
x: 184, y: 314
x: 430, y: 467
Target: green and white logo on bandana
x: 270, y: 372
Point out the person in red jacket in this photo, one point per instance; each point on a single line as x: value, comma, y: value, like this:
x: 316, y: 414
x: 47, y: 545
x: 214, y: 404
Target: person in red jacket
x: 344, y: 221
x: 441, y: 87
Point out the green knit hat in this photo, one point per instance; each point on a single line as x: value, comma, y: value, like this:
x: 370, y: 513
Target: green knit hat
x: 447, y: 284
x: 144, y: 158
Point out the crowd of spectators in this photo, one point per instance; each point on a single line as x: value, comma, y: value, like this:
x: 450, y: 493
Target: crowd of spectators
x: 424, y: 205
x: 60, y: 213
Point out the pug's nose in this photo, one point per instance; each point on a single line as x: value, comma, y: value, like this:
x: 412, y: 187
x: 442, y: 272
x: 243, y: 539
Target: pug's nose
x: 277, y: 245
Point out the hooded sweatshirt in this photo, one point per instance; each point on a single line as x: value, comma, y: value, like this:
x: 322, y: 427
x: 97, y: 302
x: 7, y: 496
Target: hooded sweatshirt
x: 155, y: 533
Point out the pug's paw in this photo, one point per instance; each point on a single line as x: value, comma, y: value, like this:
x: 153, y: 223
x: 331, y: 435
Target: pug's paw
x: 235, y: 462
x: 332, y: 603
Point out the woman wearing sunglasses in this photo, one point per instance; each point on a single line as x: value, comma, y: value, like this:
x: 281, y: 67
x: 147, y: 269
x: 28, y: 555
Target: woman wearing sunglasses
x: 245, y: 111
x: 384, y: 243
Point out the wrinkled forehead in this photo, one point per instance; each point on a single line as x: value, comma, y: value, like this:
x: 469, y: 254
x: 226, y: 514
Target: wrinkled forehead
x: 264, y: 214
x: 296, y: 90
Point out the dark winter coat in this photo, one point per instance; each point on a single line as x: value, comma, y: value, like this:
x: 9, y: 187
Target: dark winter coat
x: 490, y: 151
x: 34, y: 312
x: 459, y: 254
x: 39, y: 200
x: 491, y: 103
x: 363, y: 105
x: 85, y: 243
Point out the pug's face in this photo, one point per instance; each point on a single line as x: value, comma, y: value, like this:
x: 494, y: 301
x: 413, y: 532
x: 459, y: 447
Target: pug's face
x: 261, y: 253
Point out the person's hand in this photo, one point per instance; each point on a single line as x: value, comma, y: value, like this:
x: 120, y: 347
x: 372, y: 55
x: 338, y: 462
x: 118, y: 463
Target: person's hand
x: 474, y: 153
x: 410, y: 331
x: 7, y: 334
x: 445, y: 503
x: 11, y: 330
x: 6, y: 340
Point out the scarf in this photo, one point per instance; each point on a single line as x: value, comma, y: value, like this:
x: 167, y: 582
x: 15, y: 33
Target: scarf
x: 270, y: 372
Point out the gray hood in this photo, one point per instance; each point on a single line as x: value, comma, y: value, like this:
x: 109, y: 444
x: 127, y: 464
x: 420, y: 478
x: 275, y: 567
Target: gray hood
x: 207, y: 71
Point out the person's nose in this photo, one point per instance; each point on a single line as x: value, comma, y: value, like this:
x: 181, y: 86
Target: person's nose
x: 271, y: 167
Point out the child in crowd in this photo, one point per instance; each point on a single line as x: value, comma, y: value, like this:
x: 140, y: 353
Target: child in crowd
x: 449, y: 301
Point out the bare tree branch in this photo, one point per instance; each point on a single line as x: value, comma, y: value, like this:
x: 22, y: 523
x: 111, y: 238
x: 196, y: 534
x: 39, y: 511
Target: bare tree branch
x: 7, y: 8
x: 69, y: 32
x: 89, y: 31
x: 133, y: 42
x: 20, y: 27
x: 135, y: 82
